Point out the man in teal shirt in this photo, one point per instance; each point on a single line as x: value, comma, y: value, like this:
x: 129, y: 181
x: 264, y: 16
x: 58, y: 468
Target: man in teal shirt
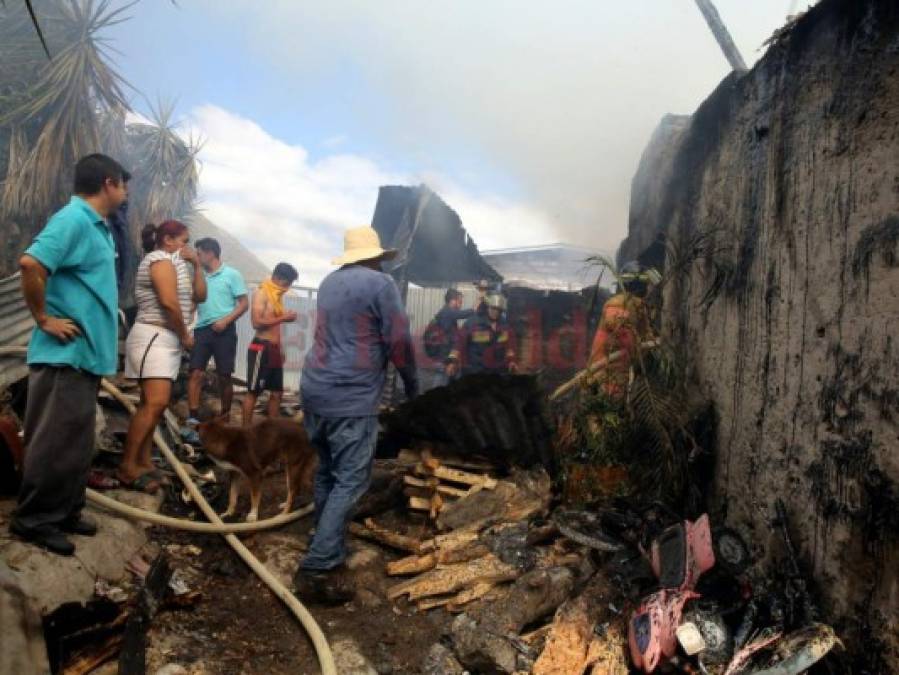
x: 215, y: 335
x: 69, y: 284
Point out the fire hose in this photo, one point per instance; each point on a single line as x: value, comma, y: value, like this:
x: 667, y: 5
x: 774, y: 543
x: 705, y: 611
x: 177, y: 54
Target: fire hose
x: 216, y: 525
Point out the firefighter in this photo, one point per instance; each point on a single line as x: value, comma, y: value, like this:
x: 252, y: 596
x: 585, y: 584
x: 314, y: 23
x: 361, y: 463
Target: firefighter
x: 480, y: 304
x: 485, y: 343
x: 624, y: 325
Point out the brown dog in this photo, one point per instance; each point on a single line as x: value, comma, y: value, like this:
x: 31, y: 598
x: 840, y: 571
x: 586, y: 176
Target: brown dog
x: 248, y: 451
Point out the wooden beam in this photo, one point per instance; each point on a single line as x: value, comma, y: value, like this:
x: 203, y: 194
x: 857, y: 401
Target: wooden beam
x: 374, y: 532
x: 447, y: 556
x: 455, y: 475
x: 133, y: 657
x: 453, y: 578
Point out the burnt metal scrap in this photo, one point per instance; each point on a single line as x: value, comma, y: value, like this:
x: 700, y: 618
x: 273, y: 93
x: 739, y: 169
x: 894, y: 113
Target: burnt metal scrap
x: 500, y: 417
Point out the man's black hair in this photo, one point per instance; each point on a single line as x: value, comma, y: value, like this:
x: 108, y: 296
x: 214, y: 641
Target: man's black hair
x: 451, y: 294
x: 92, y: 172
x: 286, y: 272
x: 209, y: 245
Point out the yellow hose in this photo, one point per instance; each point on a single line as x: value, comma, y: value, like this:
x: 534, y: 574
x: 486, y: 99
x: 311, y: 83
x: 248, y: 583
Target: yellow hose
x: 322, y: 649
x: 192, y: 525
x: 217, y: 526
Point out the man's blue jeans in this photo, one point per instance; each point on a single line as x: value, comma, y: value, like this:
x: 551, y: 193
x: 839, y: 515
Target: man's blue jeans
x: 346, y: 451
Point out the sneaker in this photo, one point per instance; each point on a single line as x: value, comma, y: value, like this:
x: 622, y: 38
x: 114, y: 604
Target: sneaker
x: 189, y: 433
x: 80, y: 525
x: 325, y: 588
x: 45, y: 536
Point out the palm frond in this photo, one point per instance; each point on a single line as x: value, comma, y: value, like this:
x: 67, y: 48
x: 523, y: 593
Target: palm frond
x: 605, y: 265
x: 64, y: 107
x: 165, y: 167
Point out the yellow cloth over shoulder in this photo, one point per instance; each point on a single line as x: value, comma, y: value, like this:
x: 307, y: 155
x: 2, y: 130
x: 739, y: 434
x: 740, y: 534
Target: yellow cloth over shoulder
x: 275, y: 295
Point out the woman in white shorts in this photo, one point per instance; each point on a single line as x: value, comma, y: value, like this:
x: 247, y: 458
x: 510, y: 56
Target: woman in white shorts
x: 166, y: 291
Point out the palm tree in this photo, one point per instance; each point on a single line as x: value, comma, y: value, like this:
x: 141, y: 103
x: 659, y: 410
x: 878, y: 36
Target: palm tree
x: 52, y: 113
x: 166, y: 166
x: 56, y: 118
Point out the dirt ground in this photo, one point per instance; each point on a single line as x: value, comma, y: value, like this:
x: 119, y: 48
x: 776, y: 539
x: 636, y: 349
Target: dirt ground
x: 240, y: 628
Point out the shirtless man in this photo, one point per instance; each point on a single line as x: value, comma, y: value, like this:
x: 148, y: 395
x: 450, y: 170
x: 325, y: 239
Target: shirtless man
x: 265, y: 358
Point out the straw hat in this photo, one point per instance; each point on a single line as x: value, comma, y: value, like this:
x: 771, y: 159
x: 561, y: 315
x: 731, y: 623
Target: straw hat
x: 362, y: 243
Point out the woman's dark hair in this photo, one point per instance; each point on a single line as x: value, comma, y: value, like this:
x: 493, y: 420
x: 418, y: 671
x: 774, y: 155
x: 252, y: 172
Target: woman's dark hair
x: 152, y: 236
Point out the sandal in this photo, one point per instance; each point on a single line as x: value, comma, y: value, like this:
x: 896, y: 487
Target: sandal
x: 146, y: 483
x: 100, y: 481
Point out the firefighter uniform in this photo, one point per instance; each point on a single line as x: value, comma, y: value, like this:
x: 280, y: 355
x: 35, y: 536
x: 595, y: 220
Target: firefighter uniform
x: 483, y: 346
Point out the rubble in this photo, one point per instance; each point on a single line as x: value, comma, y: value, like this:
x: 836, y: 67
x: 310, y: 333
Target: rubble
x: 485, y: 638
x: 573, y: 643
x: 23, y: 650
x: 598, y: 589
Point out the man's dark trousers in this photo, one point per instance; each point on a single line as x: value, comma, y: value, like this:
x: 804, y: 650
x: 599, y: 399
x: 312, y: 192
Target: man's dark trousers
x: 346, y: 451
x: 59, y: 437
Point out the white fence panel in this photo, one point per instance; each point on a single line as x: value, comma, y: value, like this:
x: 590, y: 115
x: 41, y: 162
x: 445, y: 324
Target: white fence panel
x: 297, y: 336
x: 421, y: 306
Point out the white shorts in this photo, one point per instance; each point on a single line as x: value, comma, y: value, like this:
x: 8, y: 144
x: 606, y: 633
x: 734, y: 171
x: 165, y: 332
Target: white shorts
x: 152, y: 352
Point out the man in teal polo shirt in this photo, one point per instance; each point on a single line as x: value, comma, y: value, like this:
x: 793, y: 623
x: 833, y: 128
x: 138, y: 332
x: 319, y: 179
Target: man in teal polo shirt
x: 215, y: 335
x: 69, y: 284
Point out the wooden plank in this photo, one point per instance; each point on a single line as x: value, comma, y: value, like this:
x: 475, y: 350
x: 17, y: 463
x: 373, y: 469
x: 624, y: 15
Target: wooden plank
x: 412, y: 457
x: 374, y: 532
x: 417, y: 564
x: 464, y: 477
x: 420, y: 503
x: 453, y: 578
x: 447, y: 491
x: 456, y: 461
x: 455, y: 475
x: 469, y: 595
x: 412, y: 481
x: 430, y: 603
x: 413, y: 564
x: 436, y: 505
x: 89, y: 661
x: 133, y: 657
x: 433, y: 484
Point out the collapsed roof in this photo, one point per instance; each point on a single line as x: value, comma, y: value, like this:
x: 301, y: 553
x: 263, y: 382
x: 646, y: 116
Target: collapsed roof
x: 16, y: 325
x: 553, y: 267
x: 434, y: 248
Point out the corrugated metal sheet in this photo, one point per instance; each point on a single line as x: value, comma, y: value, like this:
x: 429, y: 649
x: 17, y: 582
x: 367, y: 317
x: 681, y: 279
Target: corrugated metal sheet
x: 435, y: 248
x: 558, y: 267
x: 16, y: 325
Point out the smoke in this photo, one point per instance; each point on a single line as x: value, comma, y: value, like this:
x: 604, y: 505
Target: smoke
x: 559, y: 99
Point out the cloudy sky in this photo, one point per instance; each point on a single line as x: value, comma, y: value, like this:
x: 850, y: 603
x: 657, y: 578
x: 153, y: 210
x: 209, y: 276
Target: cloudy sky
x: 527, y: 116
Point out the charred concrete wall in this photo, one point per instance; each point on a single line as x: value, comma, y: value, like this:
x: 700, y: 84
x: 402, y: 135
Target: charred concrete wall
x: 781, y: 213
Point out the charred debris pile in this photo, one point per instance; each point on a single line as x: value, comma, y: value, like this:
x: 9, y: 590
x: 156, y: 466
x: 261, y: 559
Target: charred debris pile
x: 564, y: 540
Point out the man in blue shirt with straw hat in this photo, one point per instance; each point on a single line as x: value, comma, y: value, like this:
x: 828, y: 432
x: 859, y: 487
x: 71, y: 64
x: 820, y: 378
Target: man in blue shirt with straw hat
x: 361, y: 326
